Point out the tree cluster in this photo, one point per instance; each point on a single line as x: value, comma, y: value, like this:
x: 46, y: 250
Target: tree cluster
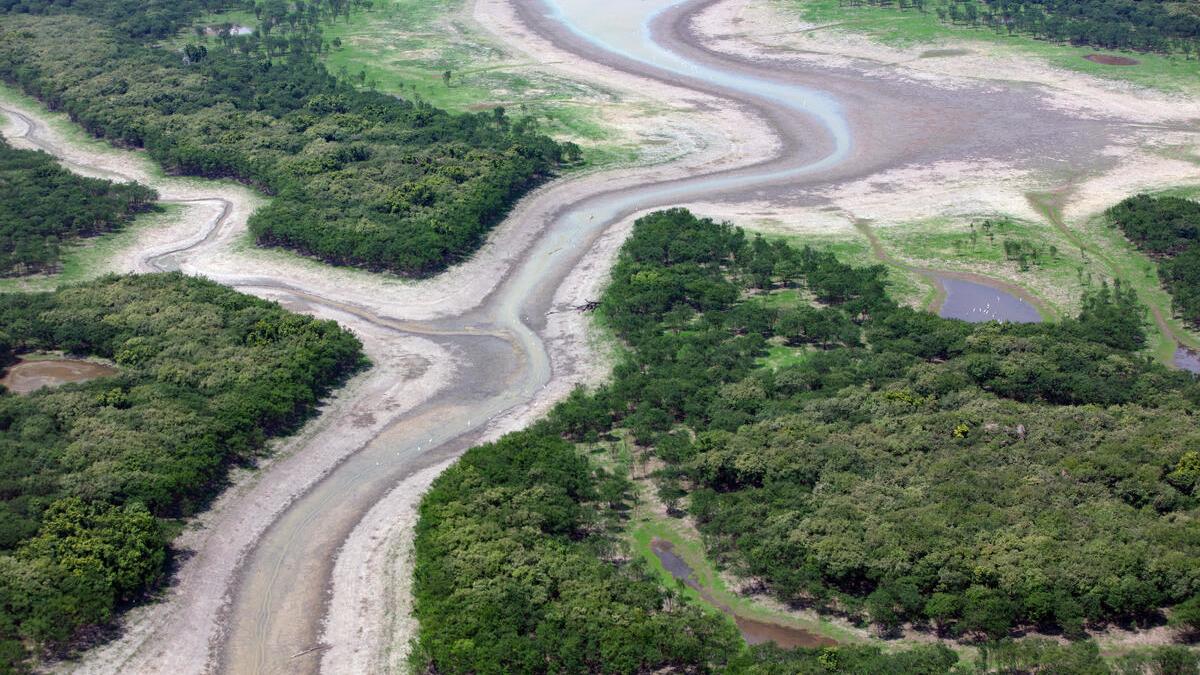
x: 971, y: 479
x: 43, y: 206
x: 1168, y: 229
x: 150, y: 19
x: 358, y: 177
x: 1145, y: 25
x: 91, y: 473
x: 509, y: 576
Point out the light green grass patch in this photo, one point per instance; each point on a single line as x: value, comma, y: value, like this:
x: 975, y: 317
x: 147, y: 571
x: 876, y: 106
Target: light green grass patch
x: 783, y: 356
x: 1055, y: 269
x: 404, y: 47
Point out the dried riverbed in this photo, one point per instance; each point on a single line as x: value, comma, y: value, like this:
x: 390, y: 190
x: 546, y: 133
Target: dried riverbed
x: 485, y: 347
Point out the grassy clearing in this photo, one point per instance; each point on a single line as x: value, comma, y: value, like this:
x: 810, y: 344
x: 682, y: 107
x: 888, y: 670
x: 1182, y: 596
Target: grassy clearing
x: 782, y: 356
x: 905, y: 286
x: 908, y: 28
x: 406, y: 46
x: 1054, y: 269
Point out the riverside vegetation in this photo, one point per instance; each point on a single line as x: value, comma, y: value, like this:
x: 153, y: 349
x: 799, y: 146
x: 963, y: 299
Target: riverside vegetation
x: 1150, y: 25
x: 358, y: 177
x: 96, y: 475
x: 1167, y: 229
x: 43, y: 206
x: 906, y: 470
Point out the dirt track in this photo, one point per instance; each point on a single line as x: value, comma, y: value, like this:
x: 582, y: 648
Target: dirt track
x: 301, y: 565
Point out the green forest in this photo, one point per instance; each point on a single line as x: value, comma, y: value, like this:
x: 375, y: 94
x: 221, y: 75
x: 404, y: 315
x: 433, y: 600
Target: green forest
x: 973, y: 481
x: 43, y: 207
x: 95, y: 476
x: 1145, y: 25
x: 1167, y: 229
x: 358, y: 177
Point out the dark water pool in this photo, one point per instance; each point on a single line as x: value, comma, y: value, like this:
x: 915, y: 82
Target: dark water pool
x: 976, y: 302
x: 753, y: 631
x: 1187, y: 359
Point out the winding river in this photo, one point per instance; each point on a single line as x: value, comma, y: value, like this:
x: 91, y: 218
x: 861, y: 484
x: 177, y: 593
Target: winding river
x: 254, y: 601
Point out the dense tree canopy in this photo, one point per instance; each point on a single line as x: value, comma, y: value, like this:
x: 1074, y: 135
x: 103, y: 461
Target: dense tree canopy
x: 89, y: 470
x: 1152, y: 25
x: 43, y: 206
x: 135, y: 18
x: 1167, y: 228
x: 359, y: 177
x: 907, y: 468
x: 508, y: 578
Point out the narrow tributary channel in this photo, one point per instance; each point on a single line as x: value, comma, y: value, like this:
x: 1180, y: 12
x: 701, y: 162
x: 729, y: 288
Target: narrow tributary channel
x: 753, y: 631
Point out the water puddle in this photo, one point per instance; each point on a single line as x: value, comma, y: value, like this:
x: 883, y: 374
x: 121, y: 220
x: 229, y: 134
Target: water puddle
x: 975, y: 302
x: 28, y: 376
x: 753, y: 631
x: 1187, y: 359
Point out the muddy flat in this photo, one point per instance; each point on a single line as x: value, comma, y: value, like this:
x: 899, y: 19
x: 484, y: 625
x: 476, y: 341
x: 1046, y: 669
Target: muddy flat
x: 1110, y: 60
x: 30, y: 375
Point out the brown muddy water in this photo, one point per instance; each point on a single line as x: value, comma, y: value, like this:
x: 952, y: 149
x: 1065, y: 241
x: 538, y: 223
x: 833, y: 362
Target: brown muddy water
x: 28, y: 376
x: 753, y: 631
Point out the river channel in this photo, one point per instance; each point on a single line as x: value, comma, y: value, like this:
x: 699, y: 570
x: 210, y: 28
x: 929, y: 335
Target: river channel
x: 827, y: 123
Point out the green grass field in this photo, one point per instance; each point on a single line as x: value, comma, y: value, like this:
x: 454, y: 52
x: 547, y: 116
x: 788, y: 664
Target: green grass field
x: 904, y: 286
x: 406, y: 47
x: 909, y: 28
